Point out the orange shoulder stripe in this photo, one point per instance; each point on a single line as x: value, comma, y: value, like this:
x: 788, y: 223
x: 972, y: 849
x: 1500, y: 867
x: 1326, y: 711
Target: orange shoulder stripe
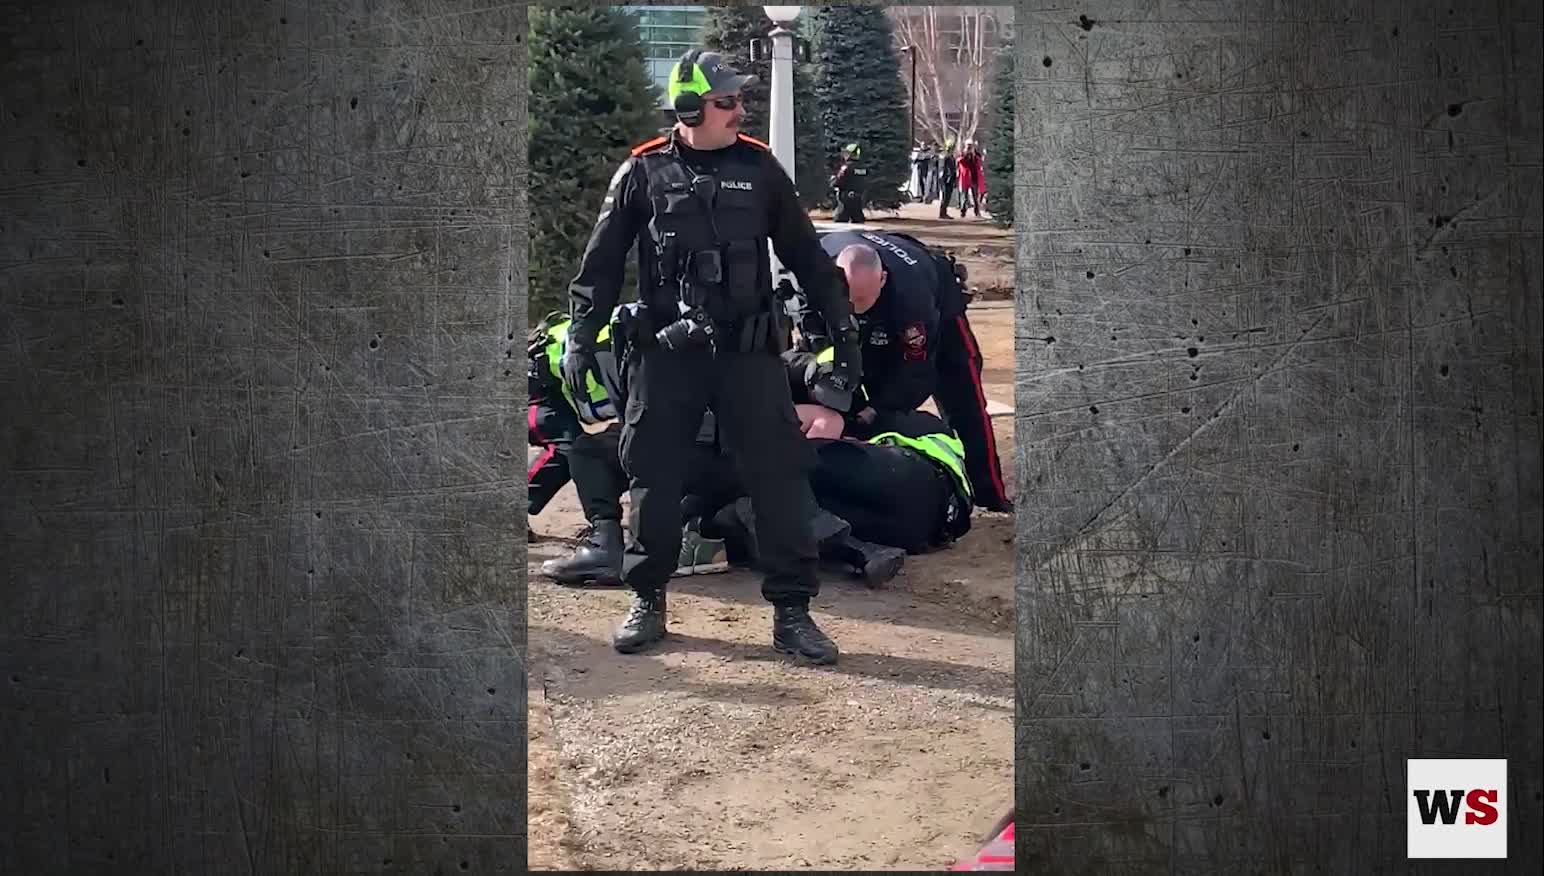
x: 648, y: 146
x: 752, y: 140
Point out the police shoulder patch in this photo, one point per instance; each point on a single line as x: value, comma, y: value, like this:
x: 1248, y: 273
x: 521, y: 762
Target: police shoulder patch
x: 915, y: 338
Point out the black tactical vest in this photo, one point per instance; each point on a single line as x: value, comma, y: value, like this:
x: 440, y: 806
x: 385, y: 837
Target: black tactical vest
x: 855, y: 180
x: 709, y: 234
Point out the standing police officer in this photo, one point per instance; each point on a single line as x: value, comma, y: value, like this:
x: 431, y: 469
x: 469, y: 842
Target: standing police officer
x: 702, y: 202
x: 849, y: 182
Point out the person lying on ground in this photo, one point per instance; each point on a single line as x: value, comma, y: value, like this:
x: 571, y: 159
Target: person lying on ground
x: 916, y: 342
x: 710, y: 542
x: 871, y: 480
x: 904, y: 489
x: 580, y: 439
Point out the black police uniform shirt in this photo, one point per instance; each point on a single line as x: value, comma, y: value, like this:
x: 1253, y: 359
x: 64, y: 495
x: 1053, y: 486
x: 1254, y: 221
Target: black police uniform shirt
x: 627, y: 209
x: 850, y: 177
x: 900, y: 332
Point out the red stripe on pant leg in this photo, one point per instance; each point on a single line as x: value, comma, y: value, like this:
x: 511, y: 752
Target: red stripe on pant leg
x: 972, y: 351
x: 547, y: 454
x: 542, y: 460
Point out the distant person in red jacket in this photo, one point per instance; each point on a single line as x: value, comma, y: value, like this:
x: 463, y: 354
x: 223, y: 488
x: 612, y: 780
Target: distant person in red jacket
x: 981, y: 189
x: 970, y: 174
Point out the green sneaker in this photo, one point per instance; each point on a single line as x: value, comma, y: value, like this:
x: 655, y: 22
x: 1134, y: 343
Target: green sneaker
x: 700, y: 555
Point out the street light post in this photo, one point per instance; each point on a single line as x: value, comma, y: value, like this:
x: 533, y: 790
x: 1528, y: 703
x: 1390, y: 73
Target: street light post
x: 912, y: 133
x: 781, y: 123
x: 781, y: 127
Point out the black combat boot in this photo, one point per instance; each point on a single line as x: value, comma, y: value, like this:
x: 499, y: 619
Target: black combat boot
x: 644, y: 624
x: 597, y: 563
x: 876, y: 563
x: 880, y: 563
x: 794, y: 632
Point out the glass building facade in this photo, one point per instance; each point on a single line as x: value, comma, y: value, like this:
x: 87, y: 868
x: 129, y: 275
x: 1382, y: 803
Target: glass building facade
x: 667, y: 32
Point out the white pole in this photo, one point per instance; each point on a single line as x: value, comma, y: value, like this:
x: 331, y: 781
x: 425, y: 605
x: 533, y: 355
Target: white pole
x: 782, y: 98
x: 782, y: 110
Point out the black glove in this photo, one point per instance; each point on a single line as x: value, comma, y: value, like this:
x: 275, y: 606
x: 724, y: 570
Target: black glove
x: 837, y: 388
x: 578, y: 363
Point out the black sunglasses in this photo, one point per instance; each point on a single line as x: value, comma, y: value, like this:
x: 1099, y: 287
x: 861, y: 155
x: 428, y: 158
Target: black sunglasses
x: 727, y: 103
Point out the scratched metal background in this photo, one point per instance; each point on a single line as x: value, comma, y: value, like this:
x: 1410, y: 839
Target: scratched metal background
x: 1278, y: 427
x: 262, y: 269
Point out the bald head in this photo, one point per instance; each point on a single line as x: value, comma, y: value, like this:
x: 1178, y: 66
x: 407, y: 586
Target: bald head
x: 865, y: 275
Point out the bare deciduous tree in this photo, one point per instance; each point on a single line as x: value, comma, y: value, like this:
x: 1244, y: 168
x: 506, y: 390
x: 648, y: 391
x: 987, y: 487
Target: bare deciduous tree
x: 953, y: 61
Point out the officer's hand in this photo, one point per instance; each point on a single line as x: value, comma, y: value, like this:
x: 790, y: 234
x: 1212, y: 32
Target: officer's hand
x: 837, y: 388
x: 867, y: 416
x: 576, y: 367
x: 831, y: 394
x: 818, y: 421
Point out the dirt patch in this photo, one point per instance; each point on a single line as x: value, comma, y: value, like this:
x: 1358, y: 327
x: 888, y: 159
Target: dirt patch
x: 546, y: 806
x: 714, y: 753
x: 970, y: 576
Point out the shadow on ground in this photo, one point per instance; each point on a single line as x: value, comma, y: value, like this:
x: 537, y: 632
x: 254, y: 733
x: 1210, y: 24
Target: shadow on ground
x: 664, y: 669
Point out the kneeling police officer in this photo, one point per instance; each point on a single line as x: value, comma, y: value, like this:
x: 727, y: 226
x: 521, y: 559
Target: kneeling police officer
x: 578, y: 443
x: 702, y: 202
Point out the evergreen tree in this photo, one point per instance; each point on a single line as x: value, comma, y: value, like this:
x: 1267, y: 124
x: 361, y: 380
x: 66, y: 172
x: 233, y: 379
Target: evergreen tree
x: 810, y: 140
x: 591, y: 100
x: 860, y: 96
x: 729, y: 30
x: 999, y: 140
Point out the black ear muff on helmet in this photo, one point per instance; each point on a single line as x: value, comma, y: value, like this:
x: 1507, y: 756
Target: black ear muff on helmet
x: 688, y: 104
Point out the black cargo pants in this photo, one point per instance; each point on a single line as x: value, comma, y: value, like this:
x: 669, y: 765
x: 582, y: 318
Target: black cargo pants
x: 748, y: 392
x: 849, y: 208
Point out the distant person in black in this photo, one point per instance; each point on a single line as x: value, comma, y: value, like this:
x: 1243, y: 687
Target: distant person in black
x: 849, y: 182
x: 948, y: 175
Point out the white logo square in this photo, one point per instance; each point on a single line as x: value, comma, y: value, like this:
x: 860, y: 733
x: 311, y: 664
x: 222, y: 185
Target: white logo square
x: 1456, y: 808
